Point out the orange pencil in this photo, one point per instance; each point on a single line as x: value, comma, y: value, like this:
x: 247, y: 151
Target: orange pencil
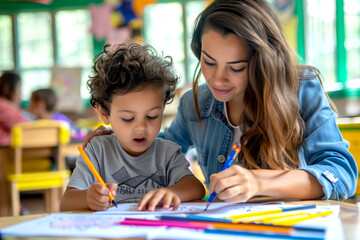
x: 96, y: 174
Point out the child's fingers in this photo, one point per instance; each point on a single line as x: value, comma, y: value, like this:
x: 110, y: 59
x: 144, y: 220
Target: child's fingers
x: 97, y: 201
x: 176, y: 203
x: 169, y: 199
x: 155, y: 200
x: 144, y: 201
x: 112, y: 187
x: 101, y: 189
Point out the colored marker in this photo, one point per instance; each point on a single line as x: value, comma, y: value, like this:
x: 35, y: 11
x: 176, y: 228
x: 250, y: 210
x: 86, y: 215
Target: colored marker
x: 158, y: 223
x: 195, y: 218
x: 289, y: 221
x: 96, y: 174
x: 233, y: 154
x: 238, y: 217
x: 227, y: 223
x: 203, y: 225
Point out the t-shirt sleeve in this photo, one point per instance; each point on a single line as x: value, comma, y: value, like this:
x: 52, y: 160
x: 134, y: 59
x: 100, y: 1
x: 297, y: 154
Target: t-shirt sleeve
x: 82, y: 177
x: 177, y: 166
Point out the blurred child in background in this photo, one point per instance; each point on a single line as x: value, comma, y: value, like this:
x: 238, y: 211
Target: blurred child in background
x: 43, y: 103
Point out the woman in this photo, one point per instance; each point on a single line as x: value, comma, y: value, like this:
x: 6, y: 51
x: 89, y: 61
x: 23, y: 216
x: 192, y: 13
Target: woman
x: 10, y: 113
x: 255, y: 94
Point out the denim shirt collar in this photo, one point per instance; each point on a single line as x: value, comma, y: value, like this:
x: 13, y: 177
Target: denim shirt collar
x: 216, y: 109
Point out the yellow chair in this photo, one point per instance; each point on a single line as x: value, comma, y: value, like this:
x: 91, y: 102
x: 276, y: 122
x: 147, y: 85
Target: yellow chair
x: 33, y: 142
x: 351, y: 132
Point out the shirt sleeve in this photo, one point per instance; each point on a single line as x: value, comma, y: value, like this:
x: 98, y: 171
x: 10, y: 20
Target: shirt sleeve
x: 177, y: 166
x: 325, y: 152
x: 82, y: 177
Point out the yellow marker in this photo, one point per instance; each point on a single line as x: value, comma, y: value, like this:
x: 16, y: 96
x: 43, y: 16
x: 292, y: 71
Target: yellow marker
x: 266, y: 217
x: 280, y: 215
x: 271, y: 211
x: 289, y: 221
x: 253, y: 214
x: 96, y: 174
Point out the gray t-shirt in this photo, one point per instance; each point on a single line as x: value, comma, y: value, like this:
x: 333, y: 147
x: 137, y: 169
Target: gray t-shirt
x: 162, y: 165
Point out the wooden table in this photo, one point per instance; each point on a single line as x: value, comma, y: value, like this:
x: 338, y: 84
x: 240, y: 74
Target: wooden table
x: 349, y: 215
x: 6, y: 157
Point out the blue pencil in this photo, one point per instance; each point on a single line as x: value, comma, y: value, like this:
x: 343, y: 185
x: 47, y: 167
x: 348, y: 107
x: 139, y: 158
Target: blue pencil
x: 235, y: 150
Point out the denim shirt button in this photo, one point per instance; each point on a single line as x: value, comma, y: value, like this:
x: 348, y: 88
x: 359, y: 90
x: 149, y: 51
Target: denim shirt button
x: 221, y: 158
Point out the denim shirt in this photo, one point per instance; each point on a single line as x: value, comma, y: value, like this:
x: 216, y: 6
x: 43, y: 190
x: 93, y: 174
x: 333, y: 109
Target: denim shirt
x: 324, y: 153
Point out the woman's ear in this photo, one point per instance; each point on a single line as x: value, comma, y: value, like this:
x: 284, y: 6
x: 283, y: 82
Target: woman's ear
x: 104, y: 117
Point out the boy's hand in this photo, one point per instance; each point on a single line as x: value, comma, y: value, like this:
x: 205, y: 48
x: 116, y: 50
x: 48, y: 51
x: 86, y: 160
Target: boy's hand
x: 158, y: 196
x: 97, y: 196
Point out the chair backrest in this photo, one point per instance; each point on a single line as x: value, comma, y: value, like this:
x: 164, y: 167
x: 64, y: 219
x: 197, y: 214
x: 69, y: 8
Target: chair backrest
x: 39, y: 139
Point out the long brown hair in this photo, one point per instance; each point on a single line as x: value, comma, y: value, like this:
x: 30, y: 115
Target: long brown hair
x: 272, y: 127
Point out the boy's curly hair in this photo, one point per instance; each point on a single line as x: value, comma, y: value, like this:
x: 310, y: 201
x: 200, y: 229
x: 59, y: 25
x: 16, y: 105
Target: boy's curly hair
x: 120, y: 69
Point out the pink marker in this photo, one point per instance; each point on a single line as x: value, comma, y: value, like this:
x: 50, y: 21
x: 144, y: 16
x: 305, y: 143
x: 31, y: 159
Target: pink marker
x: 158, y: 223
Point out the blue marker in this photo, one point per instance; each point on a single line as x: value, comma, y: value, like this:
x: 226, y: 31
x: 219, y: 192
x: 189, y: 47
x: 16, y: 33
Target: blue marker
x: 234, y: 152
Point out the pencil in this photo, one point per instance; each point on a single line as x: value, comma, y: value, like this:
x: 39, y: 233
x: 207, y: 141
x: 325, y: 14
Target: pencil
x: 96, y: 174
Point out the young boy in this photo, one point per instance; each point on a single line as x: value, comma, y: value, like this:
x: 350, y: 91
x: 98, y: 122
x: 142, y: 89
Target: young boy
x: 129, y: 88
x: 42, y: 105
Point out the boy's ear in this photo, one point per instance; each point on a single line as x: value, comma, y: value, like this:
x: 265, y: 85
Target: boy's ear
x: 104, y: 117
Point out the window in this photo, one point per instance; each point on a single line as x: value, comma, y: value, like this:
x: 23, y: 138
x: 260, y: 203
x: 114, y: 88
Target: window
x: 352, y: 42
x: 168, y: 28
x: 35, y: 51
x: 333, y: 44
x: 321, y: 39
x: 62, y: 40
x: 75, y: 43
x: 6, y: 43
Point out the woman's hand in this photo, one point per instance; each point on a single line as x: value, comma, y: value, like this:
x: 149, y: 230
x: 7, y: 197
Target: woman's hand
x: 235, y: 184
x: 97, y: 196
x: 161, y: 196
x: 102, y: 130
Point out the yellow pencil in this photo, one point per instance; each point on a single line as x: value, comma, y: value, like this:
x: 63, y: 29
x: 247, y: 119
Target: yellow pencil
x: 289, y: 221
x: 96, y: 174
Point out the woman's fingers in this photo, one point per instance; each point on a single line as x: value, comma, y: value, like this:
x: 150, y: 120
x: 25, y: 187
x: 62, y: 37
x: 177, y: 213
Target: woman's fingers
x: 235, y: 184
x: 101, y: 130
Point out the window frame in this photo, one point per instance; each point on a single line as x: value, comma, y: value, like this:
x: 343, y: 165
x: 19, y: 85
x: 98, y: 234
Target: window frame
x: 341, y: 61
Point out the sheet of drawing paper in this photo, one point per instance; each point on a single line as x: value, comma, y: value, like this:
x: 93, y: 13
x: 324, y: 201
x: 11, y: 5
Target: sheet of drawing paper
x: 79, y: 225
x: 216, y: 209
x: 105, y: 225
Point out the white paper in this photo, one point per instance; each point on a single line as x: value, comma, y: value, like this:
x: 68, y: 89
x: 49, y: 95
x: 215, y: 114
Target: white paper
x: 215, y: 209
x: 105, y: 224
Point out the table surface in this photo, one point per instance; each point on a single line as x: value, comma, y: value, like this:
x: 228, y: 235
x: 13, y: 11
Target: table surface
x: 349, y: 215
